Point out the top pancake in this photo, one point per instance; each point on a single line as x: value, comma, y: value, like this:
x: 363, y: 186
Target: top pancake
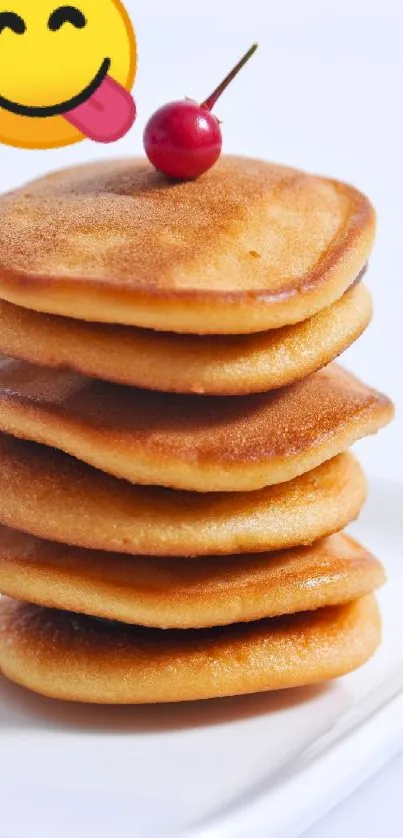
x: 250, y: 246
x: 191, y: 442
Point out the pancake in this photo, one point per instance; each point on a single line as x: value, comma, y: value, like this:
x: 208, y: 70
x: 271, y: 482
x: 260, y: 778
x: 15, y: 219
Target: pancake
x: 215, y: 365
x: 53, y: 496
x: 248, y: 247
x: 77, y: 658
x: 195, y: 443
x: 176, y: 593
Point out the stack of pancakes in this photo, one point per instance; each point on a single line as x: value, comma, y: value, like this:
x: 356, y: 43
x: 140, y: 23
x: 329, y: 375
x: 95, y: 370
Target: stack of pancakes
x: 174, y: 472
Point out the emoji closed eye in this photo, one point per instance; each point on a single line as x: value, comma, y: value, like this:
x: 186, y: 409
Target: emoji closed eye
x: 66, y: 14
x: 10, y: 20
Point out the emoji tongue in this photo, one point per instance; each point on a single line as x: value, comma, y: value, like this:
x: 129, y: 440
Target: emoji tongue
x: 107, y: 115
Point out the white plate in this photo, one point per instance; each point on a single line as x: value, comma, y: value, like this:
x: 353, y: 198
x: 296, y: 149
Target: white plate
x: 252, y: 767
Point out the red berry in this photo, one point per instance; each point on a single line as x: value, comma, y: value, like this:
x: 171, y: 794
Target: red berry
x: 183, y: 139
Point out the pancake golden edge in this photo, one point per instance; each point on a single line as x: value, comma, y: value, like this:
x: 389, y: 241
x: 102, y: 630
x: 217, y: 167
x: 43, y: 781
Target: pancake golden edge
x: 77, y: 658
x: 233, y: 444
x: 178, y: 594
x: 56, y: 497
x: 211, y: 365
x: 248, y: 247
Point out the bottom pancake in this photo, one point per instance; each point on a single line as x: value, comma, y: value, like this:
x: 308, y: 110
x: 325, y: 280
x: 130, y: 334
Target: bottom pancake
x: 76, y: 658
x: 178, y: 594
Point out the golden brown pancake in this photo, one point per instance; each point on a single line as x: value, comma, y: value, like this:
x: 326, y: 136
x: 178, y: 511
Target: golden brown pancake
x: 176, y: 593
x: 53, y: 496
x: 191, y: 442
x: 215, y: 365
x: 77, y: 658
x: 250, y: 246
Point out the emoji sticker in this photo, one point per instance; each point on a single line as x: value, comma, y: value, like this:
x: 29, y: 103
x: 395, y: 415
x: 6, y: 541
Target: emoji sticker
x: 66, y: 72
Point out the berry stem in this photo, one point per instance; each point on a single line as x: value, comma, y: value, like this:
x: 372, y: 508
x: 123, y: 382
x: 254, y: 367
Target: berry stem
x: 212, y: 99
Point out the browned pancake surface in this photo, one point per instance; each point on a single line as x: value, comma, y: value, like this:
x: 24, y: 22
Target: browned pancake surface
x: 176, y: 593
x: 215, y: 364
x: 53, y: 496
x: 249, y: 246
x: 79, y: 658
x: 191, y: 442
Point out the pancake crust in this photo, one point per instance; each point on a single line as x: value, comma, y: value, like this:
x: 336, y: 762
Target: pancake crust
x: 176, y: 593
x: 215, y: 365
x: 191, y: 442
x: 78, y: 658
x: 248, y: 247
x: 55, y: 497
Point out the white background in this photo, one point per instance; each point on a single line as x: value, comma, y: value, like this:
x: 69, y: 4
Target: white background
x: 324, y: 93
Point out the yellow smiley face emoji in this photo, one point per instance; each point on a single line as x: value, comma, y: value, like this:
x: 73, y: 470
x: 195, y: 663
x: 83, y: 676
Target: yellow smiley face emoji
x: 66, y: 72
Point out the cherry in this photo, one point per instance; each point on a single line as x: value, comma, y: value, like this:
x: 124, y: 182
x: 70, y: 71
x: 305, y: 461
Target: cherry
x: 183, y: 139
